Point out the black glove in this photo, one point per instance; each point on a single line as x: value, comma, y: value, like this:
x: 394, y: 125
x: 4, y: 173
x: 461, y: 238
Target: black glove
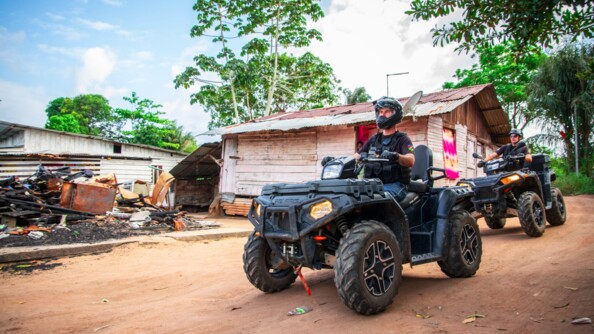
x: 480, y: 164
x: 387, y: 155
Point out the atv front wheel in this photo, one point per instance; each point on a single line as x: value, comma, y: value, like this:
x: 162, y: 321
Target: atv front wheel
x: 531, y: 212
x: 464, y: 247
x: 557, y: 215
x: 495, y: 223
x: 368, y: 267
x: 258, y: 265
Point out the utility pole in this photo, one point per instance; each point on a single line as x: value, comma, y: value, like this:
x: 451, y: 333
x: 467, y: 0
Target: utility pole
x: 575, y: 136
x: 388, y: 81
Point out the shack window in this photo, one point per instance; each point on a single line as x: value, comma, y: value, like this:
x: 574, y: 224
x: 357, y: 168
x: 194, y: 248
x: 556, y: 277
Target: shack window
x: 117, y: 148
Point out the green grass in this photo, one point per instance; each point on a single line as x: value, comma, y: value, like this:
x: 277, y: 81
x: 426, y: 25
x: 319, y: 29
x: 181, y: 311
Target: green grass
x: 572, y: 184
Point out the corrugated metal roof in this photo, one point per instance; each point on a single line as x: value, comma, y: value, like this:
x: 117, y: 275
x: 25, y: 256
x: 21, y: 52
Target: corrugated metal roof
x: 199, y: 163
x: 339, y: 116
x: 430, y: 104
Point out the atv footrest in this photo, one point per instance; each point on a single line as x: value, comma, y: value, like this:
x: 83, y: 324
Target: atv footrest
x: 424, y: 258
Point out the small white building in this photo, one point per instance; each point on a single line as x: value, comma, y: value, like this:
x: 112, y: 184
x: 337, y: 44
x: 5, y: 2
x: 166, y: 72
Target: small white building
x: 23, y: 148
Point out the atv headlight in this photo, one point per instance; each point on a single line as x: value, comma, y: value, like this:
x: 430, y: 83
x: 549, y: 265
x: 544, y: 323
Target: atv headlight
x: 258, y: 210
x: 331, y: 171
x: 511, y: 178
x: 320, y: 210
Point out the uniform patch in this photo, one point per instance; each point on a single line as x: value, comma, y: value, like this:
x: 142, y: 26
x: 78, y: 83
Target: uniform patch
x: 411, y: 148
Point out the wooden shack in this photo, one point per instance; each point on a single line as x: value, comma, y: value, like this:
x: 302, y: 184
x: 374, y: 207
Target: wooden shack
x: 287, y: 147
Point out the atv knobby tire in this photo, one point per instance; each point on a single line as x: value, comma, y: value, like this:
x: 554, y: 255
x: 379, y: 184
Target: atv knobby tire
x: 257, y: 257
x: 463, y: 247
x: 495, y: 223
x: 531, y: 212
x: 557, y: 214
x: 368, y: 267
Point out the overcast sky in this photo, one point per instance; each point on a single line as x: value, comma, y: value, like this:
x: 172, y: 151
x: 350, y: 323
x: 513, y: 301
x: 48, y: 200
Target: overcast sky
x: 59, y: 48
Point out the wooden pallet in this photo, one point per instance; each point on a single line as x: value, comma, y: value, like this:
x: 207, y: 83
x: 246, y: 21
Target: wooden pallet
x: 239, y: 207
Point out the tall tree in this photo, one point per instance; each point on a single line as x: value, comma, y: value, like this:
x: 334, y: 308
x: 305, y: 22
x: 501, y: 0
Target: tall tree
x: 251, y: 83
x: 356, y: 96
x: 563, y: 89
x: 91, y: 111
x: 284, y: 25
x: 510, y: 76
x: 147, y: 127
x: 488, y: 22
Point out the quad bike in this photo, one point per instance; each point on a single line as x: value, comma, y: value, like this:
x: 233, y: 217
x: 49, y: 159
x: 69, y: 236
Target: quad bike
x: 511, y: 190
x: 360, y: 231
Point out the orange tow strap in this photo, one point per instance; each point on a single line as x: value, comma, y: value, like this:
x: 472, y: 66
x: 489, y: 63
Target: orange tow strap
x: 303, y: 281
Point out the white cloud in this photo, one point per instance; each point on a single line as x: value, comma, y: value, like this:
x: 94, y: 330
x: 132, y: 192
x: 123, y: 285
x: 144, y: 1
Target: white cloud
x: 23, y: 104
x: 55, y: 17
x: 98, y: 64
x: 144, y: 55
x: 97, y: 25
x: 365, y: 40
x: 67, y: 32
x: 115, y: 3
x: 10, y: 45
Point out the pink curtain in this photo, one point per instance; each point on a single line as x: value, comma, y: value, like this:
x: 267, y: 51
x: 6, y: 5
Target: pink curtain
x: 450, y: 155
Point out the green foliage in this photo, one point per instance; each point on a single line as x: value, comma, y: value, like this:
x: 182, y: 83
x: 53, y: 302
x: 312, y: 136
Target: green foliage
x: 91, y: 114
x: 148, y: 128
x: 573, y: 184
x: 91, y: 111
x: 487, y: 22
x: 263, y: 77
x: 564, y: 86
x: 510, y: 76
x: 358, y: 95
x: 63, y: 122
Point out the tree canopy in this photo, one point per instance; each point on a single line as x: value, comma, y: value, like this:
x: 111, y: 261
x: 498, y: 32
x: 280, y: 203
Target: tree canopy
x: 509, y: 75
x: 358, y: 95
x: 258, y: 76
x: 91, y: 114
x: 562, y: 89
x: 488, y: 22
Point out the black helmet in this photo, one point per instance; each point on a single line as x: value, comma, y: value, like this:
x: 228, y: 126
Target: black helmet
x: 390, y: 103
x: 516, y: 132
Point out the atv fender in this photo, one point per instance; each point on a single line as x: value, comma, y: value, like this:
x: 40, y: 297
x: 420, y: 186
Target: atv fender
x: 447, y: 199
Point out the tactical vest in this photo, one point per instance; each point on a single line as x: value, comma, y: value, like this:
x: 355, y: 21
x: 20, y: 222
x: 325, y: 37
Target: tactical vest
x: 388, y: 172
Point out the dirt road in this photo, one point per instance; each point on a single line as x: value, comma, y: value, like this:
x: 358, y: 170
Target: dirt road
x: 524, y: 285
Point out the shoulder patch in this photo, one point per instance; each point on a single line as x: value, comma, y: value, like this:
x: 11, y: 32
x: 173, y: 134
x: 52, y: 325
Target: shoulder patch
x: 411, y: 148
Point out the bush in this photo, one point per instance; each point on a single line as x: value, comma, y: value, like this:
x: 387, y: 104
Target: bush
x: 572, y: 184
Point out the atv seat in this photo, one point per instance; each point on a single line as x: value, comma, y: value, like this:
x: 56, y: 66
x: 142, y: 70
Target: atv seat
x: 419, y: 180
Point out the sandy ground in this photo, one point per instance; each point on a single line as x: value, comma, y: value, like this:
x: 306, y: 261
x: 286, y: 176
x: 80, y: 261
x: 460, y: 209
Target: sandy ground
x: 524, y: 285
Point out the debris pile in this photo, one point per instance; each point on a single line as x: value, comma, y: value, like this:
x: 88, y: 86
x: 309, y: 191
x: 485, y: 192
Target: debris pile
x: 59, y: 206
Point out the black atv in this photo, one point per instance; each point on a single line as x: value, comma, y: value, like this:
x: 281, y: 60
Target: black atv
x: 512, y: 189
x: 359, y: 230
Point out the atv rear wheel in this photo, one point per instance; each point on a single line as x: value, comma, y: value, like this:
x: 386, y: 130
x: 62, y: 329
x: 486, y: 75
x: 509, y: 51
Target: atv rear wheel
x: 531, y: 212
x: 557, y: 215
x: 495, y: 223
x: 368, y: 267
x: 464, y: 246
x: 258, y: 267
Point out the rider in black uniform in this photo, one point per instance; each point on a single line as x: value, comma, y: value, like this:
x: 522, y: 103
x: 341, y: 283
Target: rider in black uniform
x: 391, y: 144
x: 513, y: 148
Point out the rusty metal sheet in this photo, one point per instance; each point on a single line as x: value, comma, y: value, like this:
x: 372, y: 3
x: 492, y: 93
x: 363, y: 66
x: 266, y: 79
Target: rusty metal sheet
x: 54, y: 184
x: 94, y: 197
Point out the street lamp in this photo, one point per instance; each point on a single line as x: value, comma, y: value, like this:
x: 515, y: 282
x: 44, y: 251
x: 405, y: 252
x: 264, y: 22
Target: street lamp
x: 388, y: 82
